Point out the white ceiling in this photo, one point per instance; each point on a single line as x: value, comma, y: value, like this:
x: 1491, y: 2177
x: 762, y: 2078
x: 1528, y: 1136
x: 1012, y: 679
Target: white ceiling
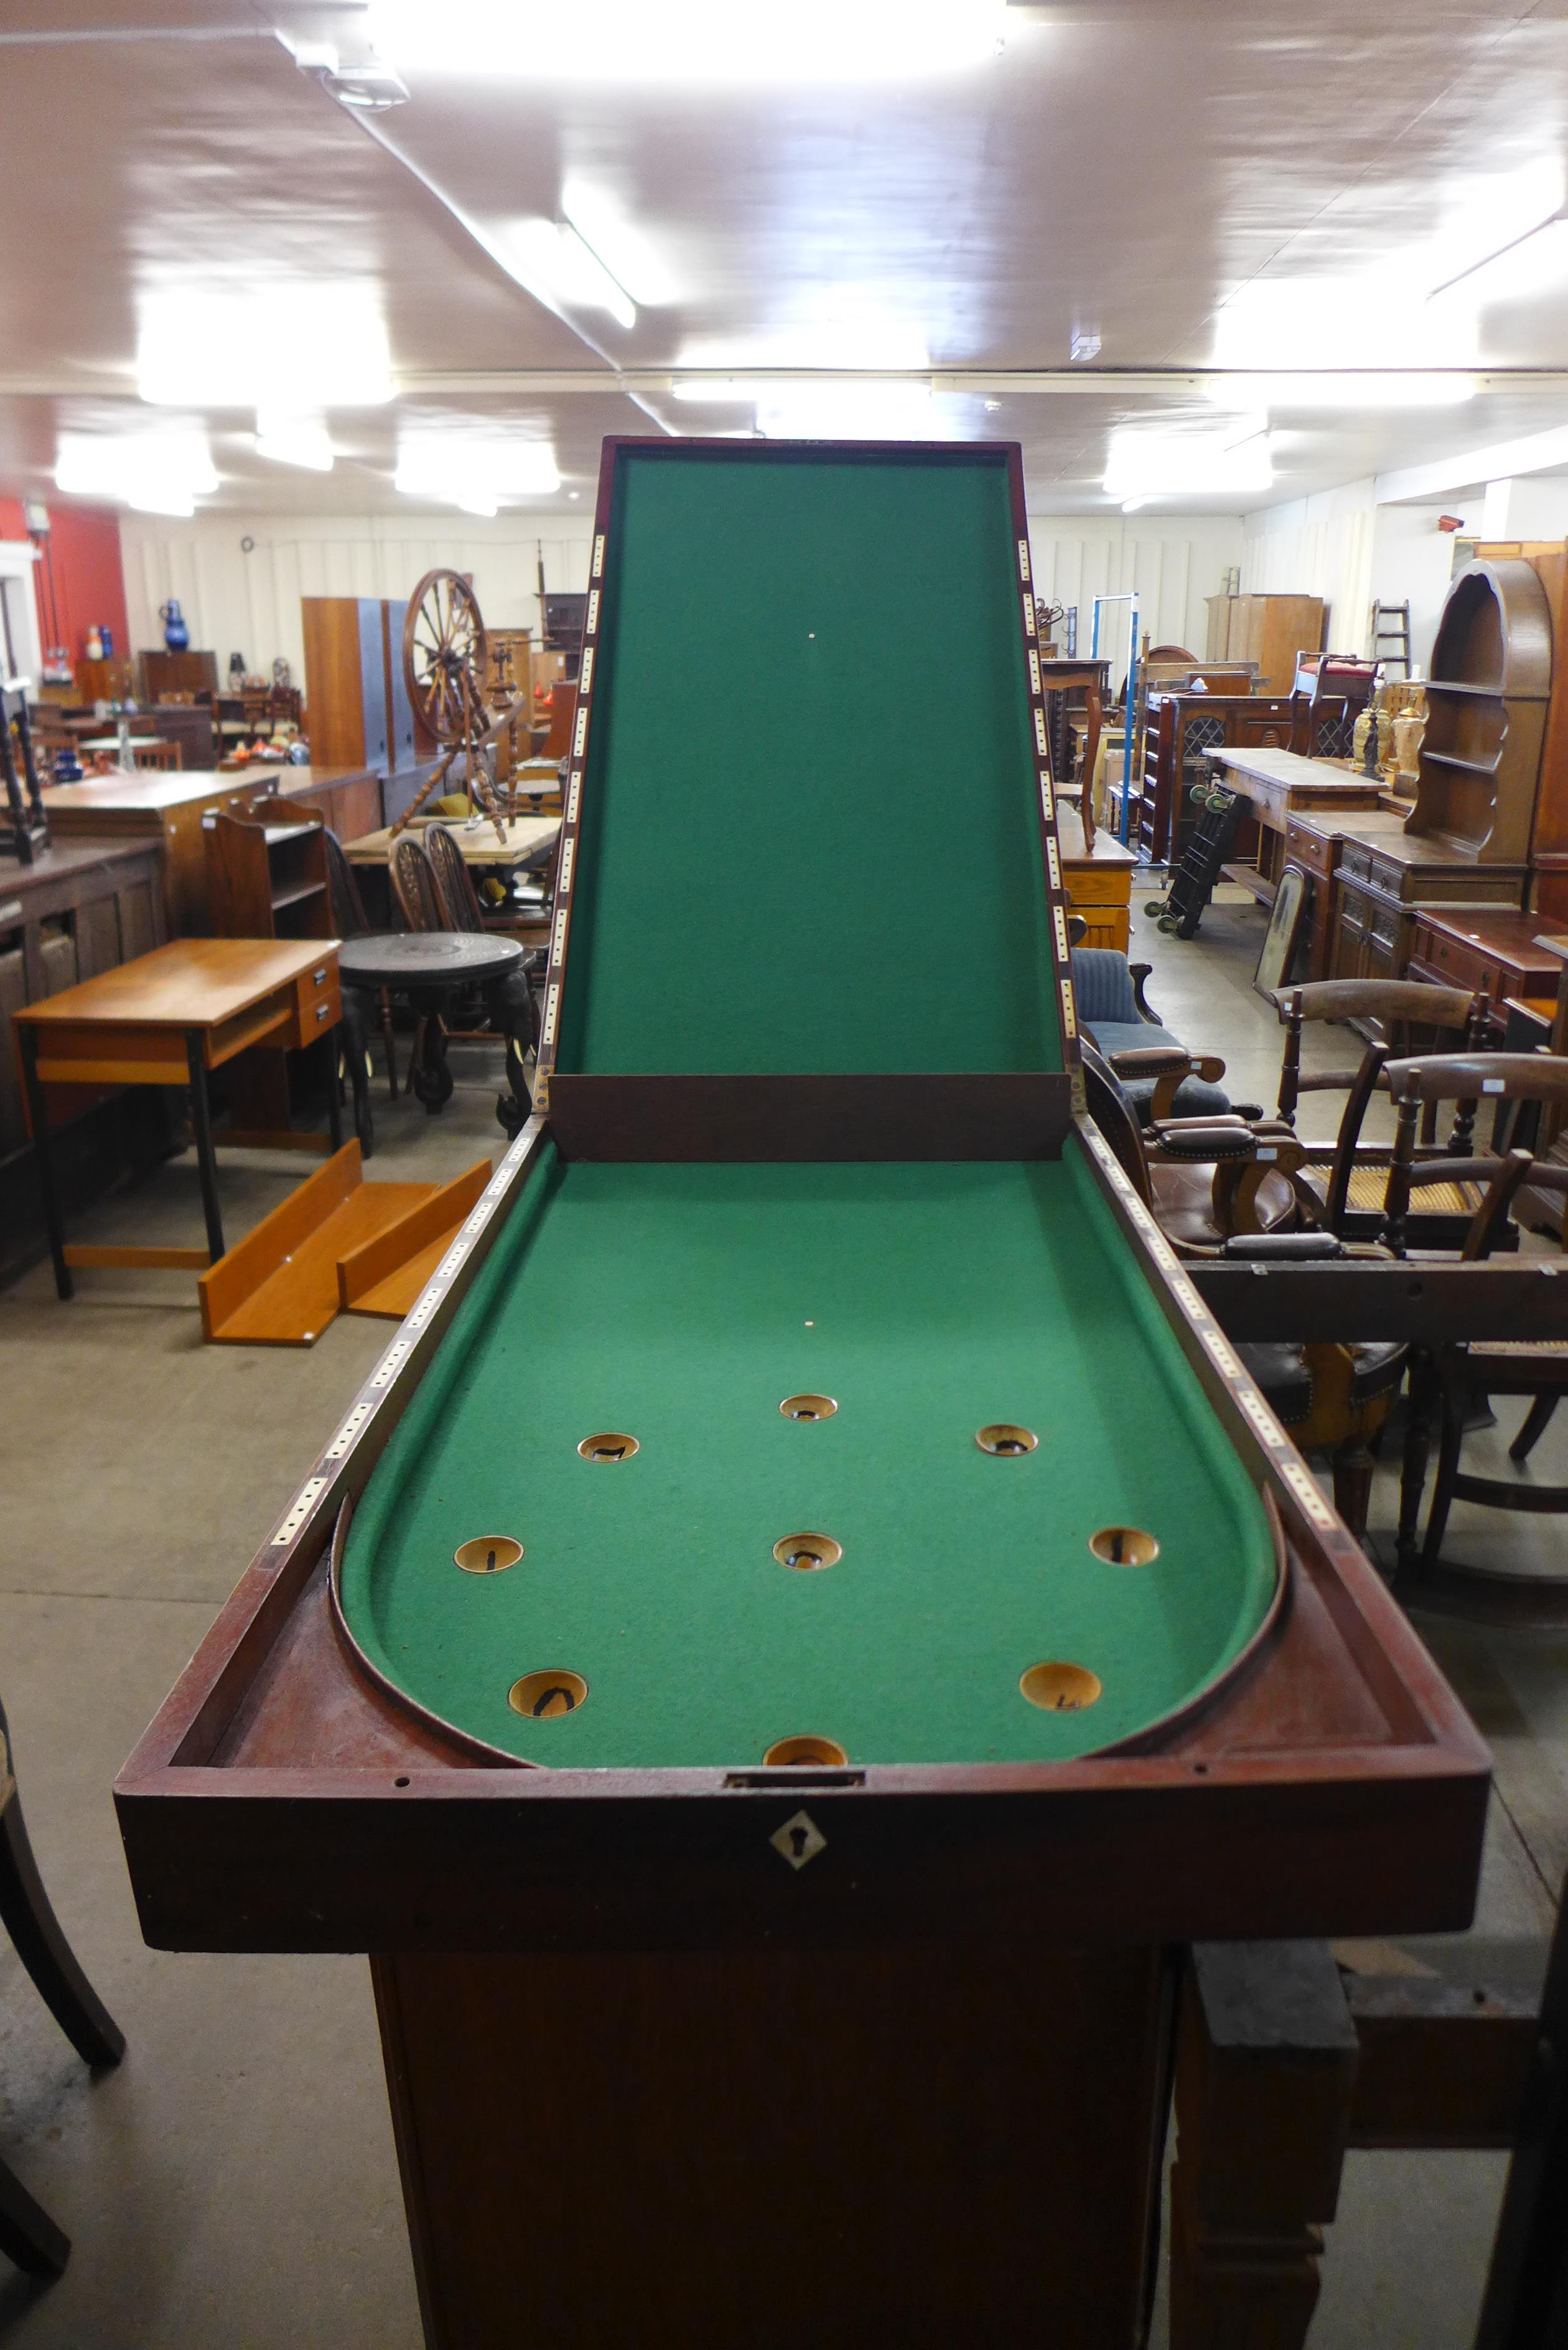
x: 1197, y: 181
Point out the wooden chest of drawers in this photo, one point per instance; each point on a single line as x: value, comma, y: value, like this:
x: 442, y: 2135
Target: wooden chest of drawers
x: 1501, y: 952
x: 1380, y: 885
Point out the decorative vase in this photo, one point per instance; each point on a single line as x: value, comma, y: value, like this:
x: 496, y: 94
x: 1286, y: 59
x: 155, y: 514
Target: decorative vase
x: 106, y: 639
x: 176, y: 635
x: 94, y: 648
x: 67, y: 767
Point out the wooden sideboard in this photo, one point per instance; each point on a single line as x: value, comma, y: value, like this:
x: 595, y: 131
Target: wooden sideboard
x: 1383, y: 883
x: 170, y: 809
x: 81, y: 909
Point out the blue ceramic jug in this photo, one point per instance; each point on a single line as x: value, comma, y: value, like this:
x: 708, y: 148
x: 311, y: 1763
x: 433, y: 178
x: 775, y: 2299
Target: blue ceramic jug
x: 176, y: 635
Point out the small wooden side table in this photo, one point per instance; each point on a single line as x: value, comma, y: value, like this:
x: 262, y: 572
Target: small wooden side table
x: 167, y: 1019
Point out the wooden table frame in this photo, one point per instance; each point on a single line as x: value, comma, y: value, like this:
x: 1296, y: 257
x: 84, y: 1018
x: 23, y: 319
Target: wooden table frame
x: 121, y: 1030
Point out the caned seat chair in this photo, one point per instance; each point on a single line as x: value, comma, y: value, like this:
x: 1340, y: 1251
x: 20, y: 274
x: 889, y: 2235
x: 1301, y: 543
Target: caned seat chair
x: 1347, y: 1177
x: 1225, y: 1188
x: 1447, y: 1381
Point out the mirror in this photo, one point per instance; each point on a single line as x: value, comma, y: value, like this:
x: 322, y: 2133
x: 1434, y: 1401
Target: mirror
x: 1275, y: 963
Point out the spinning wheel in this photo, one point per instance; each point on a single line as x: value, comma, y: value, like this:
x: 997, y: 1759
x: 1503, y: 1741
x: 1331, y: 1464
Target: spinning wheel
x: 445, y: 655
x: 446, y: 658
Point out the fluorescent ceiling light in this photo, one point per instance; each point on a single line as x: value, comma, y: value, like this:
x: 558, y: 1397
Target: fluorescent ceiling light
x: 1524, y: 265
x: 475, y: 474
x: 619, y: 245
x: 691, y: 40
x: 326, y: 346
x: 556, y: 262
x: 1197, y: 462
x: 156, y: 473
x: 849, y: 412
x: 1331, y: 388
x: 291, y: 440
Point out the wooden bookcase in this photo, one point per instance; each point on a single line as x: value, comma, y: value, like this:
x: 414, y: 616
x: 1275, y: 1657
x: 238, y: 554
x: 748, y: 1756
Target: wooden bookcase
x: 1268, y: 629
x: 1487, y: 697
x: 266, y: 872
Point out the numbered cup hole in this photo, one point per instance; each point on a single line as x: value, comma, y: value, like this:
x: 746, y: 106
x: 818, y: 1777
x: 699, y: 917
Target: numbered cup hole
x: 546, y: 1696
x: 1124, y: 1546
x: 487, y: 1554
x: 1060, y: 1689
x: 807, y: 1552
x: 1006, y: 1440
x: 809, y: 1407
x: 806, y: 1749
x: 609, y: 1446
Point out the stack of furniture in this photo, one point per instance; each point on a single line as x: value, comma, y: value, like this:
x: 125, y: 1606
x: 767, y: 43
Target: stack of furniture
x: 1268, y: 629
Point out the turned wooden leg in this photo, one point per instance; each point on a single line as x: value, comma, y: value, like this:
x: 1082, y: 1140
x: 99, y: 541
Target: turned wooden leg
x: 1265, y: 2072
x: 1352, y: 1462
x: 1417, y: 1450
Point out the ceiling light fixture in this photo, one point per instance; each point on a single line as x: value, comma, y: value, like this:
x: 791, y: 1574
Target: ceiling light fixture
x: 476, y: 474
x: 619, y: 243
x: 198, y: 348
x: 849, y: 411
x: 156, y: 473
x: 290, y: 439
x: 1223, y: 461
x: 1336, y: 387
x: 686, y: 40
x: 1535, y: 258
x: 556, y: 261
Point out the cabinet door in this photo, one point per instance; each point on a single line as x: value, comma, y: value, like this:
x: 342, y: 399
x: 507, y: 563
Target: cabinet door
x: 373, y: 681
x: 1219, y: 610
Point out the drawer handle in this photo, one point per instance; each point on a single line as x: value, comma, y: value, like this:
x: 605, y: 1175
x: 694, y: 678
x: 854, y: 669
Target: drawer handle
x: 318, y: 978
x: 323, y: 1012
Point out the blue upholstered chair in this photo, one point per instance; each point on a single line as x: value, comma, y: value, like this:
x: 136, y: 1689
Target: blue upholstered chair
x: 1159, y: 1075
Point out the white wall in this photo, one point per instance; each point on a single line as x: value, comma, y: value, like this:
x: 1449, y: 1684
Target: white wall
x: 1173, y: 560
x: 238, y: 602
x: 249, y: 603
x: 1320, y: 546
x: 1413, y: 560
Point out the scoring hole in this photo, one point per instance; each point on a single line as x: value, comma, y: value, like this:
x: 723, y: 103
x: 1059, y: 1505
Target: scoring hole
x: 547, y: 1696
x: 809, y: 1407
x: 1059, y: 1687
x: 1005, y: 1440
x: 1124, y: 1546
x: 805, y: 1750
x: 609, y: 1445
x: 487, y: 1554
x: 806, y: 1552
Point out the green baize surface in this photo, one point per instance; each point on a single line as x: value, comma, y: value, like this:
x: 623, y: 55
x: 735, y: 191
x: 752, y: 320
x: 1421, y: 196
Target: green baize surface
x: 810, y: 811
x: 681, y: 1304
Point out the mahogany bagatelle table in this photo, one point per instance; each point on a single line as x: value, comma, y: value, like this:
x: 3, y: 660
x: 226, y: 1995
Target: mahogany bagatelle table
x: 808, y: 1613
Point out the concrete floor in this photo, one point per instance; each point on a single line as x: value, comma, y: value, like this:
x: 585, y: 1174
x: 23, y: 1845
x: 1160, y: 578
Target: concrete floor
x: 232, y: 2185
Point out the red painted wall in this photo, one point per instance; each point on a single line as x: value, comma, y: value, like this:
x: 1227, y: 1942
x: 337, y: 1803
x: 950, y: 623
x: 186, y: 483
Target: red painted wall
x: 81, y: 568
x: 80, y: 579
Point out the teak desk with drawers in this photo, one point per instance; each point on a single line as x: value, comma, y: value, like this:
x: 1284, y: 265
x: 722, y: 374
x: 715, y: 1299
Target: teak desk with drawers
x: 167, y: 1019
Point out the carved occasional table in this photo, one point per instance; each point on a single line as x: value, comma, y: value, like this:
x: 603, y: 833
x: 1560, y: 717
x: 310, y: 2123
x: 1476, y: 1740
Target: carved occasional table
x: 430, y: 968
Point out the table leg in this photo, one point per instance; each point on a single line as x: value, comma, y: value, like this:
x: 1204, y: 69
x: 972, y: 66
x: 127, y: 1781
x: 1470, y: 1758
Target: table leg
x: 429, y: 1077
x: 332, y: 1045
x: 202, y: 1126
x: 37, y: 1112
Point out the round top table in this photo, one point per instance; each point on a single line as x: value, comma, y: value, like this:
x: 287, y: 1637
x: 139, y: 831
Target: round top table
x: 428, y: 959
x: 427, y: 967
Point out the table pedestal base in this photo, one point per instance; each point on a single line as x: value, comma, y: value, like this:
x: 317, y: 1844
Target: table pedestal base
x: 927, y: 2147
